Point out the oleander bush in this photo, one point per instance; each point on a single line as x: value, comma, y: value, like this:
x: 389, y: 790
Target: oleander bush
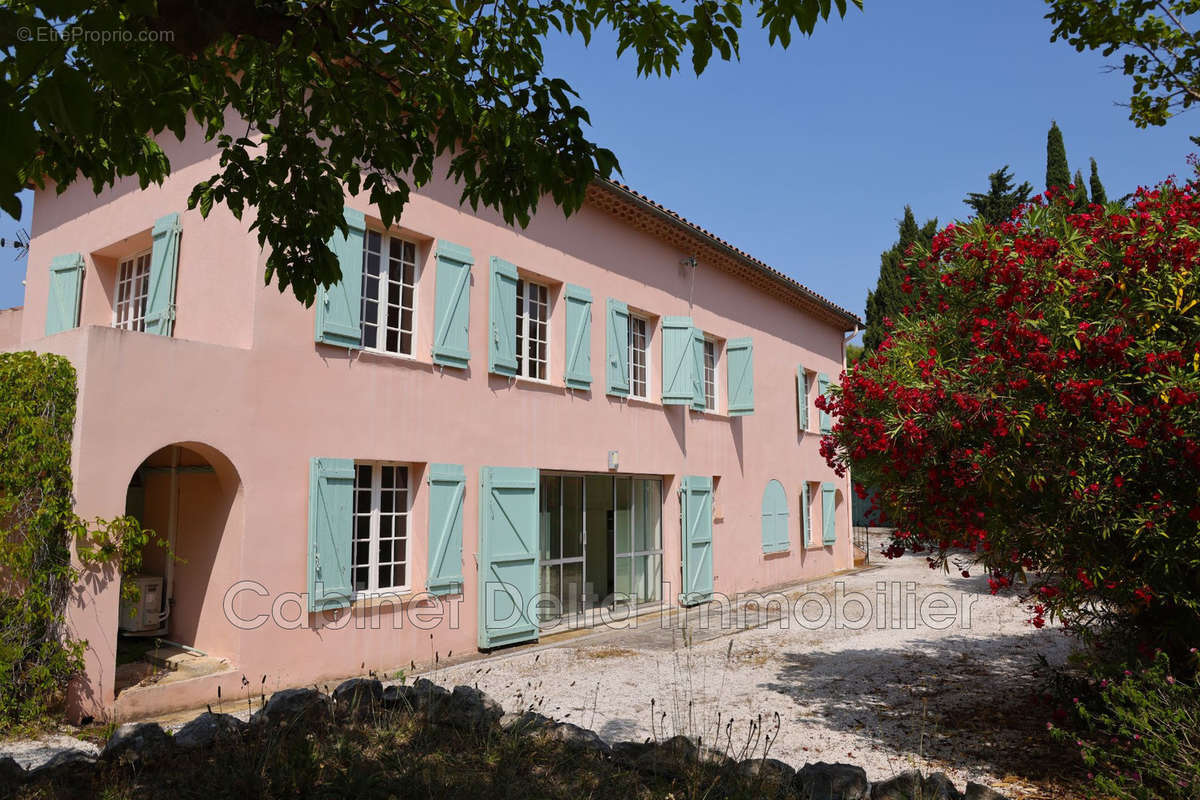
x: 1037, y: 407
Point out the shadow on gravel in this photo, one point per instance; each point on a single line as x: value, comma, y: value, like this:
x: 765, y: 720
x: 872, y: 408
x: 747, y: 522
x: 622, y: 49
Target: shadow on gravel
x: 969, y: 702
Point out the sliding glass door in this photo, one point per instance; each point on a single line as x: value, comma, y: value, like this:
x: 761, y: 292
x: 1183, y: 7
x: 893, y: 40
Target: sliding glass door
x: 601, y: 542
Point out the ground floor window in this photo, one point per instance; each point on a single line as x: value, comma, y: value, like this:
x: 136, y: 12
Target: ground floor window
x: 600, y: 541
x: 379, y: 551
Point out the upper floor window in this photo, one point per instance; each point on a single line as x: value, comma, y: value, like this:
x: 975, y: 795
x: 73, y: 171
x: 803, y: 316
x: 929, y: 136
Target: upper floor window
x: 379, y: 552
x: 533, y: 312
x: 388, y: 292
x: 133, y: 290
x: 710, y: 375
x: 639, y: 357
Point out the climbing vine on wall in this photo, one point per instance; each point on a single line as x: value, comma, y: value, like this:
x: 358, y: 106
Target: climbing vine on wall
x: 38, y: 657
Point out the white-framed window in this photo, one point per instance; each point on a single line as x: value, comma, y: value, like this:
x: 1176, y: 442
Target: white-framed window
x: 533, y: 326
x: 710, y: 375
x: 379, y: 544
x: 388, y: 293
x: 133, y: 290
x: 639, y: 357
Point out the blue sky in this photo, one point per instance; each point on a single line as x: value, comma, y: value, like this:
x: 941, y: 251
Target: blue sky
x: 805, y: 157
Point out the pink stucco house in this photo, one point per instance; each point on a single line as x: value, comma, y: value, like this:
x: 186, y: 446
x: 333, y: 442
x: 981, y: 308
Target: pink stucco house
x: 480, y: 436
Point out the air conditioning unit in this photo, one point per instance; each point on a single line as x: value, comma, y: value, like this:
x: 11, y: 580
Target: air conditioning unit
x: 144, y: 613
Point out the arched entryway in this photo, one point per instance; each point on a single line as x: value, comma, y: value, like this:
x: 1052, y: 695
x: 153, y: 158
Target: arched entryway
x: 189, y: 495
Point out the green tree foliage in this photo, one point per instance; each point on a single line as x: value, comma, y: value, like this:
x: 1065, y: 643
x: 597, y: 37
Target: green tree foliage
x: 37, y: 524
x: 1098, y: 193
x: 1158, y: 44
x: 1080, y: 195
x: 1057, y: 172
x: 887, y: 301
x: 1038, y: 412
x: 307, y: 99
x: 1001, y: 199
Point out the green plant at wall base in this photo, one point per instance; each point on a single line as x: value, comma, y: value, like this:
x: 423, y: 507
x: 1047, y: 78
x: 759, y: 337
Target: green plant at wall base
x: 38, y: 657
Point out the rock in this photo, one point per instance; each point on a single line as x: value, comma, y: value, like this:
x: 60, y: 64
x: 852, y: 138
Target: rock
x: 294, y: 707
x: 357, y: 696
x: 577, y: 737
x: 905, y: 786
x: 134, y: 742
x: 632, y: 751
x: 467, y: 708
x: 73, y: 767
x: 428, y: 696
x: 823, y: 781
x: 770, y: 768
x: 669, y: 758
x: 12, y: 774
x: 207, y: 729
x: 977, y: 791
x: 939, y: 787
x: 400, y: 698
x: 526, y: 722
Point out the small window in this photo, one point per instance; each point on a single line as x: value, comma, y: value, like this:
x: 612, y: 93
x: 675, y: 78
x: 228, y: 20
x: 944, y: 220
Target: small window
x: 639, y: 358
x: 133, y: 290
x: 379, y: 554
x: 533, y: 312
x: 710, y: 375
x: 388, y: 291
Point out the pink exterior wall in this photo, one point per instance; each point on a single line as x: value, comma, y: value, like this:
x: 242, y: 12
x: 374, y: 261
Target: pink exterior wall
x: 243, y: 377
x: 10, y: 327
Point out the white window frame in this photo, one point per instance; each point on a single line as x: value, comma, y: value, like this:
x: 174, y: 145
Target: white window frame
x: 647, y: 367
x: 813, y: 415
x: 526, y: 367
x: 381, y: 324
x: 132, y: 292
x: 375, y: 514
x: 713, y: 346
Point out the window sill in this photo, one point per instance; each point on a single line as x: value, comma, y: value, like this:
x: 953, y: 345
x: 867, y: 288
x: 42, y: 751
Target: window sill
x: 366, y: 600
x: 384, y: 355
x: 643, y: 401
x: 710, y: 412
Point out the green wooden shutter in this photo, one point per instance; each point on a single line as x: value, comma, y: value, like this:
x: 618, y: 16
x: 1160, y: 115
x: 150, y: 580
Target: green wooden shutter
x: 330, y: 526
x: 447, y: 488
x: 578, y: 371
x: 826, y: 422
x: 339, y: 307
x: 806, y: 519
x: 739, y: 355
x: 452, y: 305
x: 66, y: 287
x: 828, y: 519
x: 502, y: 318
x: 698, y: 402
x: 508, y: 556
x: 774, y: 518
x: 164, y: 268
x: 677, y: 362
x: 617, y: 349
x: 802, y: 398
x: 696, y: 519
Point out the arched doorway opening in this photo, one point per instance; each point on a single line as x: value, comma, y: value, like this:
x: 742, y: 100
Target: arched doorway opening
x: 190, y: 496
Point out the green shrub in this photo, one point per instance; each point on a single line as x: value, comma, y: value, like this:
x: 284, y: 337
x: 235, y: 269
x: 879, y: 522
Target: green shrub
x: 1140, y: 733
x: 38, y: 657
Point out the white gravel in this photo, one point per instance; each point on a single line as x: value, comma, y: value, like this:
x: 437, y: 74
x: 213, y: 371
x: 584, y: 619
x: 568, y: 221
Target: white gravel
x: 902, y: 696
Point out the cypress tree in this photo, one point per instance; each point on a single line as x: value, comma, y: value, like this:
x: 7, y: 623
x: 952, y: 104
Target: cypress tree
x: 1079, y: 196
x: 1098, y: 194
x: 889, y: 299
x: 1001, y: 199
x: 1057, y: 172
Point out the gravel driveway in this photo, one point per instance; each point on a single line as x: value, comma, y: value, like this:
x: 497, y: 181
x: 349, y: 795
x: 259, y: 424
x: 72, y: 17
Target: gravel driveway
x: 956, y: 696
